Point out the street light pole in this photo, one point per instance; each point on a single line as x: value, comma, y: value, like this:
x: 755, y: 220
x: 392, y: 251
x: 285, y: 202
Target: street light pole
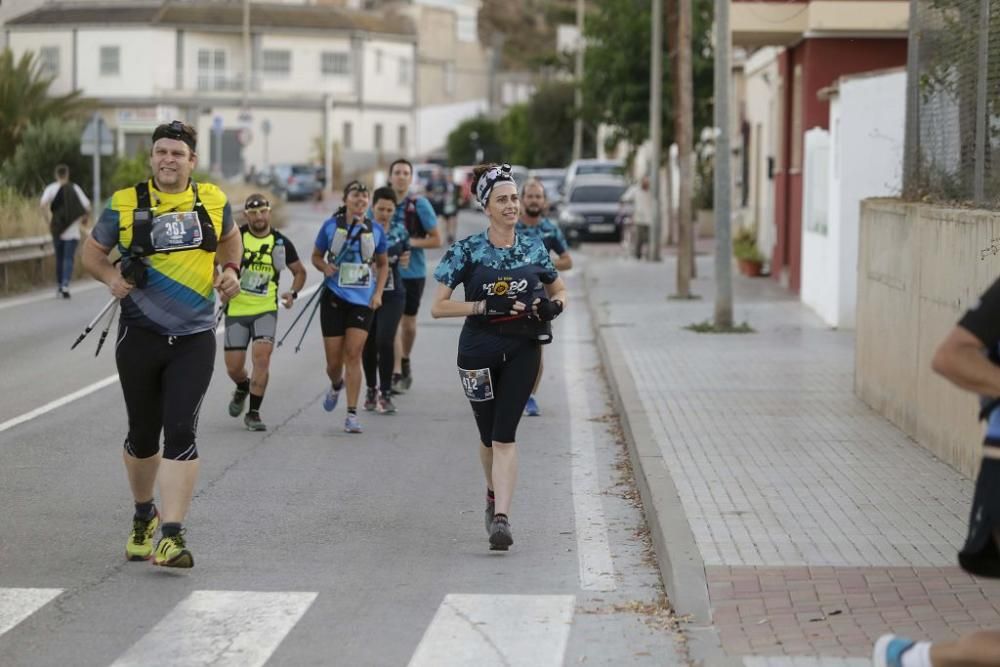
x: 655, y: 125
x: 578, y: 95
x: 723, y: 190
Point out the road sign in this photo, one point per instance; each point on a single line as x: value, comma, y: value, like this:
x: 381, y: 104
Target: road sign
x: 89, y: 138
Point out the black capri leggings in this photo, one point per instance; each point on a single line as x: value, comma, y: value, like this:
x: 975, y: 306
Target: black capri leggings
x: 513, y: 376
x: 164, y: 380
x: 379, y: 352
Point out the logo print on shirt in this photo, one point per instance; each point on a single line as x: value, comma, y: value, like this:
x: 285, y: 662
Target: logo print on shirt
x: 506, y: 287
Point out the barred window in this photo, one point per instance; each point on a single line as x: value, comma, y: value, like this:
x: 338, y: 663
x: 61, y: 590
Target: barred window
x: 110, y: 61
x: 276, y: 62
x: 335, y: 63
x: 48, y: 60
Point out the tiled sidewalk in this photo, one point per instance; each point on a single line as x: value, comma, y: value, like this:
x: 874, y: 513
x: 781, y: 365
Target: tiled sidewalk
x: 818, y: 523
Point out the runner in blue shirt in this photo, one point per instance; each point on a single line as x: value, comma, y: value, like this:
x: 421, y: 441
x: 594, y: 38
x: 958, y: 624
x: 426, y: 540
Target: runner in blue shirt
x: 506, y: 323
x: 347, y: 247
x: 417, y: 215
x: 533, y: 206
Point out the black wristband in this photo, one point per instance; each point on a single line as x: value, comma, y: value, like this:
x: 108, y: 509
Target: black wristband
x: 295, y: 294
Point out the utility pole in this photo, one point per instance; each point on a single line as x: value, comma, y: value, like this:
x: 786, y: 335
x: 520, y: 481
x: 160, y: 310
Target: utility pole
x: 723, y: 189
x: 684, y: 134
x: 655, y: 126
x: 246, y: 55
x: 578, y: 95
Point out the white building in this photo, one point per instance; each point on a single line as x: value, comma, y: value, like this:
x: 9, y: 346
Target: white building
x: 318, y: 81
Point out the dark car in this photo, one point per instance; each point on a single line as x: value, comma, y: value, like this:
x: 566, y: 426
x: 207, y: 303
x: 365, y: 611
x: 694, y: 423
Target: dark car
x: 295, y: 181
x: 590, y: 209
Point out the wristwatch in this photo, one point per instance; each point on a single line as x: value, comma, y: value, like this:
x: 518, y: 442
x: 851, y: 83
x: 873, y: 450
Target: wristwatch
x: 295, y: 295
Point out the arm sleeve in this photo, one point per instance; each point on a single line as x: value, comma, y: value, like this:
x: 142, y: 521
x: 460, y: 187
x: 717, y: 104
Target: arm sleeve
x: 983, y: 319
x: 428, y: 218
x: 452, y: 268
x: 106, y: 231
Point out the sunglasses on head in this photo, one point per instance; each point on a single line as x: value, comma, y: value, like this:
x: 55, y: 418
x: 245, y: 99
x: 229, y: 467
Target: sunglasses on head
x: 356, y: 187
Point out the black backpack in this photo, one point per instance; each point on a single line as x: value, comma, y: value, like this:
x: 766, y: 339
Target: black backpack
x: 66, y: 209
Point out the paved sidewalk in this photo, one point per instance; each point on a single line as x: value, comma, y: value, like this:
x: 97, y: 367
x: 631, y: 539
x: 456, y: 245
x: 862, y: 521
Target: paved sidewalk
x: 790, y: 519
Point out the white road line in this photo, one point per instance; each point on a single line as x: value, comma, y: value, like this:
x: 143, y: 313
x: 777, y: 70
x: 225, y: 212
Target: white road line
x: 219, y: 628
x: 17, y: 604
x: 91, y: 388
x: 487, y: 630
x: 597, y: 570
x: 47, y: 296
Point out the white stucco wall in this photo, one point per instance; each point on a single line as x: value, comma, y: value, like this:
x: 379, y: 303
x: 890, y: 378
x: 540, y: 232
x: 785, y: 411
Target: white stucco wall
x: 761, y: 107
x: 865, y: 160
x: 821, y: 270
x: 146, y: 61
x: 36, y: 40
x: 435, y: 123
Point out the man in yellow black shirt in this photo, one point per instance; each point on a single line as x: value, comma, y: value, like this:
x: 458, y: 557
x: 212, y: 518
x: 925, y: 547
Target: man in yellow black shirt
x: 173, y: 235
x: 253, y: 315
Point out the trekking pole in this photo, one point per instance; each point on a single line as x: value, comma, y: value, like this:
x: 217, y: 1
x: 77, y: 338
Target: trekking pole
x: 301, y: 313
x: 308, y: 322
x: 107, y: 327
x: 218, y: 317
x: 93, y: 322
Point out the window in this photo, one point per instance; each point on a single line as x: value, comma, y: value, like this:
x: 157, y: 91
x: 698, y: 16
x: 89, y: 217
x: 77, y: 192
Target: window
x: 48, y: 60
x: 594, y: 194
x: 449, y: 79
x: 275, y: 62
x: 402, y: 139
x: 404, y: 72
x: 466, y: 29
x: 211, y: 69
x: 110, y: 61
x: 378, y: 136
x: 348, y: 138
x: 378, y: 61
x: 335, y: 63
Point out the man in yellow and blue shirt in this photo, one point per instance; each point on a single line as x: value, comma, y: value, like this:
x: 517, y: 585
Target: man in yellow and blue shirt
x: 172, y: 234
x: 253, y: 315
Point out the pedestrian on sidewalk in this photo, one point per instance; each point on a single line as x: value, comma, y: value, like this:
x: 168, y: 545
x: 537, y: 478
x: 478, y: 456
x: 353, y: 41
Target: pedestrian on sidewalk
x: 68, y: 208
x: 970, y: 358
x: 172, y: 233
x: 534, y: 205
x: 346, y: 248
x: 499, y: 349
x: 379, y: 354
x: 639, y: 196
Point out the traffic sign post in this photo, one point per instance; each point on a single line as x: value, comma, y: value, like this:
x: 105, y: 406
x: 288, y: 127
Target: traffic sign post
x: 97, y: 140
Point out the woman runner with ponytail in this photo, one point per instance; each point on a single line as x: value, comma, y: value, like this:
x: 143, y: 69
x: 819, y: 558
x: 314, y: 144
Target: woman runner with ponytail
x: 347, y: 246
x: 505, y: 325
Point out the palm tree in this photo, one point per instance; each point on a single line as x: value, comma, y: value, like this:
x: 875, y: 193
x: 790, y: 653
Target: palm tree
x: 25, y: 98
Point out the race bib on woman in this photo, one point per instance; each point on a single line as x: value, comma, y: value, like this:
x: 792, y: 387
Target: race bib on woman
x: 354, y: 275
x: 477, y: 384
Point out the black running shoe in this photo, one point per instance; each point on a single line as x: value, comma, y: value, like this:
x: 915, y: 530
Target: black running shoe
x: 236, y: 405
x: 500, y: 536
x: 490, y: 510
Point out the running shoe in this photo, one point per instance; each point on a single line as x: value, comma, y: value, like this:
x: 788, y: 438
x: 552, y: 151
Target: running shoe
x: 397, y: 384
x: 351, y: 424
x: 531, y: 407
x: 889, y: 650
x: 140, y: 540
x: 490, y: 510
x: 253, y: 422
x: 236, y: 405
x: 370, y: 399
x: 331, y: 398
x: 385, y: 405
x: 173, y: 552
x: 406, y: 382
x: 500, y: 537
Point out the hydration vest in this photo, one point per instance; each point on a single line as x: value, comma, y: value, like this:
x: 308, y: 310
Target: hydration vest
x: 411, y: 220
x: 365, y: 237
x: 142, y: 223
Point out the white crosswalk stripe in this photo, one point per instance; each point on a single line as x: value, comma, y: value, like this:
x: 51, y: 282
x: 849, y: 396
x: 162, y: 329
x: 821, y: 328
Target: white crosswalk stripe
x: 220, y: 628
x: 487, y: 630
x: 17, y: 604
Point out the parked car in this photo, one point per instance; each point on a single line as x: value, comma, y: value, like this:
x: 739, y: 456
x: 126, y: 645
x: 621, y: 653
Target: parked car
x: 550, y: 179
x: 591, y: 167
x: 294, y: 181
x: 591, y: 207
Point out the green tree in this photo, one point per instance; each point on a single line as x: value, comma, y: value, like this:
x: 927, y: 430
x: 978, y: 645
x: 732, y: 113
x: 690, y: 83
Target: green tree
x: 616, y: 73
x: 539, y: 133
x: 25, y: 99
x: 475, y: 133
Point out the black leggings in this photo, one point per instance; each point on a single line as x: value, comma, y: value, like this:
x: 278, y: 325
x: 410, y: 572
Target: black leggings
x: 164, y: 380
x: 513, y: 377
x: 379, y: 352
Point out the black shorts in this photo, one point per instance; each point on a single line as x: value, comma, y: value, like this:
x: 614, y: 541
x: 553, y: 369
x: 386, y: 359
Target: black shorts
x: 414, y: 288
x: 336, y: 315
x: 512, y: 375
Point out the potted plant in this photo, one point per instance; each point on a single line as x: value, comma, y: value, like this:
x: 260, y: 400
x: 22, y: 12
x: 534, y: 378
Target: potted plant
x: 745, y: 250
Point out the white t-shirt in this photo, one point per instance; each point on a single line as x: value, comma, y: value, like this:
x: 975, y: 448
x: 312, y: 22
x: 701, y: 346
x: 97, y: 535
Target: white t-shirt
x: 72, y: 232
x: 642, y: 204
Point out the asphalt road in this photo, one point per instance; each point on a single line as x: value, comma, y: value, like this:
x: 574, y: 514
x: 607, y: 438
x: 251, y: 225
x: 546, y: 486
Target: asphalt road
x: 312, y: 546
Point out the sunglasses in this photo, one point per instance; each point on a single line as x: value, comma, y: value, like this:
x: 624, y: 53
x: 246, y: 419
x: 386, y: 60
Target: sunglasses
x: 257, y: 207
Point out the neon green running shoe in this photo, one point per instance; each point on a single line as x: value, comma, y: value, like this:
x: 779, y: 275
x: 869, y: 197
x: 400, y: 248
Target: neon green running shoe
x: 173, y: 552
x: 140, y: 540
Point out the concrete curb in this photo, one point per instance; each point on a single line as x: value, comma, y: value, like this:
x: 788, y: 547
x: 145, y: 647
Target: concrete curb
x: 677, y: 554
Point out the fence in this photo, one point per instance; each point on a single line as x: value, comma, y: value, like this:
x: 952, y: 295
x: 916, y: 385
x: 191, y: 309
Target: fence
x: 953, y: 103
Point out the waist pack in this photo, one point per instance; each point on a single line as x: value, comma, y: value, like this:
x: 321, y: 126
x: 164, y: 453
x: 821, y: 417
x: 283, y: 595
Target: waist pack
x: 515, y: 326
